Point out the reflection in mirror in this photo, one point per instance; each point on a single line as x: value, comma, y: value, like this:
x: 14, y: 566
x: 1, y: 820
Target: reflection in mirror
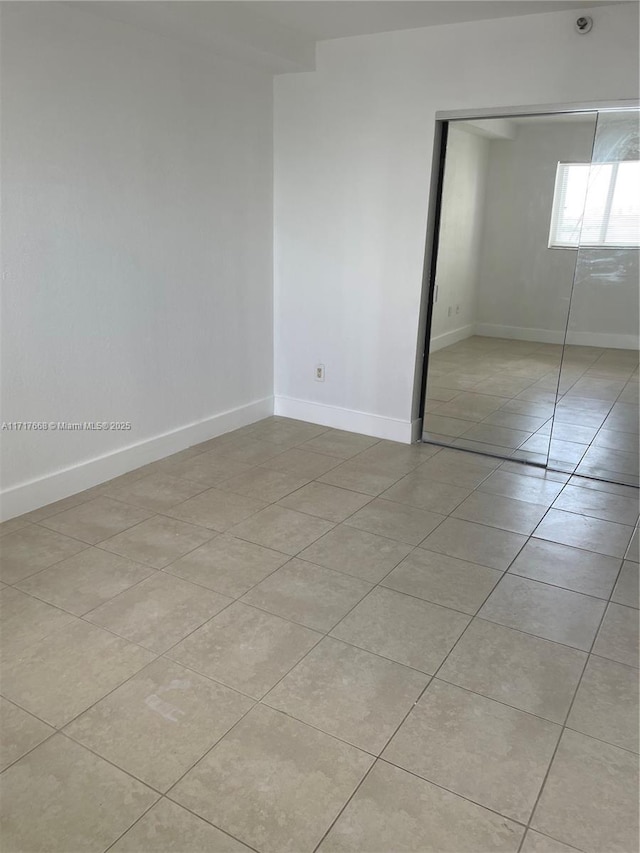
x: 503, y: 281
x: 595, y: 432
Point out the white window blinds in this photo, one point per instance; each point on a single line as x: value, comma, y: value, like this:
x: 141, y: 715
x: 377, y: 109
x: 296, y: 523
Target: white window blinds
x: 596, y: 205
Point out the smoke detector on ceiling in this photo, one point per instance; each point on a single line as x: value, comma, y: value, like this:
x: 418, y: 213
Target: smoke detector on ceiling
x: 584, y: 24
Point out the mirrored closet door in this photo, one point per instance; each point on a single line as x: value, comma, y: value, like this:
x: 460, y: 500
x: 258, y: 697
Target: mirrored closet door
x: 595, y: 429
x: 524, y: 328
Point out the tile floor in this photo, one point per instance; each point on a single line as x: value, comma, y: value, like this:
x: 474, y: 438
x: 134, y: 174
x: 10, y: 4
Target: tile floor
x: 497, y: 395
x: 291, y: 638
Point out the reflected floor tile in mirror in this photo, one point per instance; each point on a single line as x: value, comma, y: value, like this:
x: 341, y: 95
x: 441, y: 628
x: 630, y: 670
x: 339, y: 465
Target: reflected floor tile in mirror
x: 509, y: 412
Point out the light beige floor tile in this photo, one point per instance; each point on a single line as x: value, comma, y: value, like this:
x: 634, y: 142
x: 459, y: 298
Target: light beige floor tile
x: 62, y: 675
x: 350, y: 693
x: 598, y: 504
x: 479, y: 447
x: 496, y: 435
x: 301, y: 463
x: 504, y: 418
x: 395, y: 811
x: 264, y: 484
x: 627, y: 442
x: 614, y: 487
x: 281, y: 430
x: 250, y: 451
x: 435, y: 424
x: 618, y: 635
x: 590, y: 799
x: 397, y: 521
x: 626, y: 588
x: 472, y: 406
x: 634, y: 547
x: 245, y: 648
x: 535, y: 842
x: 437, y: 394
x: 606, y: 705
x: 496, y: 511
x: 566, y: 451
x: 157, y: 492
x: 216, y: 509
x: 25, y: 620
x: 129, y: 477
x: 625, y: 474
x: 85, y: 581
x: 282, y: 529
x: 538, y: 443
x: 96, y: 520
x: 59, y: 506
x: 402, y: 628
x: 324, y: 501
x: 60, y: 797
x: 526, y: 672
x: 568, y: 528
x: 158, y: 724
x: 251, y: 650
x: 31, y: 549
x: 532, y: 472
x: 463, y: 460
x: 578, y: 417
x: 168, y: 828
x: 492, y: 754
x: 529, y: 408
x: 418, y: 490
x: 623, y: 420
x: 158, y: 612
x: 308, y: 594
x: 341, y: 444
x: 396, y: 457
x: 216, y: 443
x: 363, y: 477
x: 356, y: 552
x: 209, y: 468
x: 597, y: 389
x: 273, y: 782
x: 545, y: 611
x: 12, y: 525
x: 570, y: 432
x: 443, y: 580
x: 172, y: 462
x: 21, y: 732
x: 228, y: 565
x: 571, y: 568
x: 476, y: 543
x: 158, y: 541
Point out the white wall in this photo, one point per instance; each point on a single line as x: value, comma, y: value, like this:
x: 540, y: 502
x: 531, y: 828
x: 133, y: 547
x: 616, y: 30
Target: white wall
x: 461, y: 224
x: 137, y: 246
x: 524, y: 286
x: 353, y: 153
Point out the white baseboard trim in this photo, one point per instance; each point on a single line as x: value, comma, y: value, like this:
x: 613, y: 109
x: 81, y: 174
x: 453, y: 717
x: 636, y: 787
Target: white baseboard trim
x: 606, y: 340
x: 446, y: 339
x: 346, y: 419
x: 519, y: 333
x: 33, y: 494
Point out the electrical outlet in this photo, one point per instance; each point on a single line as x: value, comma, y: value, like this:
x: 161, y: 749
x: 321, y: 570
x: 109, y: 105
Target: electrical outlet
x: 457, y: 309
x: 449, y: 310
x: 319, y: 377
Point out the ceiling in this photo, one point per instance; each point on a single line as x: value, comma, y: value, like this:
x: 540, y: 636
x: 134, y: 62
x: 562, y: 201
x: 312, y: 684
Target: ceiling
x: 331, y: 19
x: 281, y: 35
